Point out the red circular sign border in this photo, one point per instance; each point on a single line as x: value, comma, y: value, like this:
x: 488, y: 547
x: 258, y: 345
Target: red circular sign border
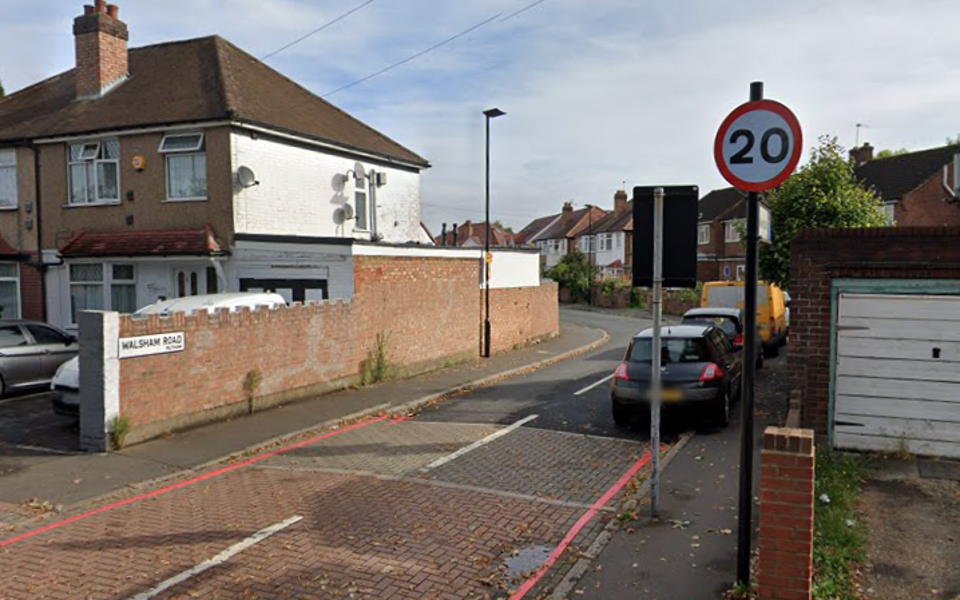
x: 792, y: 122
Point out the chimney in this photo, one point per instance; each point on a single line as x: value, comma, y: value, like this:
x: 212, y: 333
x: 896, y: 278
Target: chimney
x: 862, y: 155
x: 620, y: 202
x: 455, y: 230
x: 101, y: 44
x: 443, y: 235
x: 567, y: 214
x: 469, y: 226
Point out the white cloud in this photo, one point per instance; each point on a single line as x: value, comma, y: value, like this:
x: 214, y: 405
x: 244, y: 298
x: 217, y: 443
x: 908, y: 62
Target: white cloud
x: 596, y: 92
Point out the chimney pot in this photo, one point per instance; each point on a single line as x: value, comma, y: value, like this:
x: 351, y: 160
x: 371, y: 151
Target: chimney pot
x: 620, y: 202
x: 89, y: 9
x: 101, y: 6
x: 114, y: 11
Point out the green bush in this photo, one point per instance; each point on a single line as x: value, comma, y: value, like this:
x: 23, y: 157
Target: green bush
x: 575, y: 273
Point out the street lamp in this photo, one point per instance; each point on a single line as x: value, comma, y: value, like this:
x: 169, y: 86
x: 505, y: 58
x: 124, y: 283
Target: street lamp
x: 490, y: 113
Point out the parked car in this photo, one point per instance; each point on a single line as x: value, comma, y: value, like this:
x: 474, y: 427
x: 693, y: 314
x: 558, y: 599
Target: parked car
x: 771, y: 309
x: 65, y: 386
x: 699, y: 366
x: 730, y: 320
x: 31, y: 352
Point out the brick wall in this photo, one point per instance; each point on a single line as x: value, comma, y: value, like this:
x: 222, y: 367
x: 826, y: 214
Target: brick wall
x: 928, y: 205
x: 785, y: 544
x: 819, y: 256
x: 31, y: 290
x: 428, y: 310
x: 519, y: 315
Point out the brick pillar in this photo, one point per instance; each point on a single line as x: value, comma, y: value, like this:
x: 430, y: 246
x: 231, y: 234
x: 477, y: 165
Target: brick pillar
x: 786, y: 514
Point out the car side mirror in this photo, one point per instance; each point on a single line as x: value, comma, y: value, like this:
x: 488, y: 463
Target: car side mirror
x: 71, y: 339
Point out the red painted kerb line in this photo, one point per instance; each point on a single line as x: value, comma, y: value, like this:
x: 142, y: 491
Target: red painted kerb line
x: 586, y: 518
x: 183, y: 484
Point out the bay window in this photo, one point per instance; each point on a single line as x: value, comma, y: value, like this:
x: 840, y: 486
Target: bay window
x: 9, y: 291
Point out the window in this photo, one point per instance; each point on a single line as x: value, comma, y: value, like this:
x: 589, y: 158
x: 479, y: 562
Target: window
x: 619, y: 238
x: 8, y: 179
x: 94, y: 172
x: 673, y: 350
x: 586, y: 244
x: 731, y: 232
x: 360, y: 202
x: 741, y: 272
x: 888, y: 210
x: 96, y: 286
x: 605, y: 242
x: 186, y: 166
x: 11, y: 336
x: 46, y: 335
x: 703, y: 235
x: 9, y: 291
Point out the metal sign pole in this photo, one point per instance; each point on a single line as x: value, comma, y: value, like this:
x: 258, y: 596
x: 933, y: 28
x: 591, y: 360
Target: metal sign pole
x: 745, y: 519
x: 655, y: 359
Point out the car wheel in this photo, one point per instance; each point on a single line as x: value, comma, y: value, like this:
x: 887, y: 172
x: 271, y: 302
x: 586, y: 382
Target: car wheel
x: 621, y: 416
x: 721, y: 410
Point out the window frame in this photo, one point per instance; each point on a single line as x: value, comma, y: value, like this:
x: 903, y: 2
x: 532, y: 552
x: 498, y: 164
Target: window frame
x: 83, y: 159
x: 360, y: 189
x: 16, y: 281
x: 106, y: 283
x: 731, y: 226
x: 199, y: 150
x: 740, y: 273
x: 11, y: 166
x: 703, y: 235
x: 889, y: 213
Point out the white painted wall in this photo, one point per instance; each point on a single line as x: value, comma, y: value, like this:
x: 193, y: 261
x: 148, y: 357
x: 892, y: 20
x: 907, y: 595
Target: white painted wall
x: 271, y: 260
x: 300, y: 191
x: 511, y: 268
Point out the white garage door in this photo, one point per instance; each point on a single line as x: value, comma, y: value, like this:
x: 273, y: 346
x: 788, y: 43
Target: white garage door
x: 898, y: 374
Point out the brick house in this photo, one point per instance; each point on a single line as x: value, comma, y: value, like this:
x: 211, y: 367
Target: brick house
x: 559, y: 233
x: 185, y: 168
x: 473, y: 235
x: 917, y: 188
x: 720, y: 255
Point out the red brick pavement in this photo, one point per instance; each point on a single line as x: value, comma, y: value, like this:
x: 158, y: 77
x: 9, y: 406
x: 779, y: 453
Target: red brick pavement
x: 361, y: 537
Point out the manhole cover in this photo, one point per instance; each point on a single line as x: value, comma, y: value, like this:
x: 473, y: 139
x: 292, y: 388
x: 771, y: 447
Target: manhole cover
x: 520, y: 564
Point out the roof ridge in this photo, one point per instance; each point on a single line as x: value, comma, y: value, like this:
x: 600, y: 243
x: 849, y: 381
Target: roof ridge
x: 316, y: 97
x: 914, y: 153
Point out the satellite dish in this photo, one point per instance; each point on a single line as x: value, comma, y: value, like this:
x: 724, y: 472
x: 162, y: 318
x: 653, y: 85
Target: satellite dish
x: 246, y: 177
x: 359, y: 172
x: 347, y: 212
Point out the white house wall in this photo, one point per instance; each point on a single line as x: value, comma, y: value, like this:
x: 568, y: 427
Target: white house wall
x: 605, y: 257
x: 271, y: 260
x: 300, y: 193
x: 510, y: 268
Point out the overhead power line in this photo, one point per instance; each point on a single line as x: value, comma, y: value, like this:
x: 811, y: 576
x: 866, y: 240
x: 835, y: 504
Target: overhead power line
x: 414, y: 56
x: 317, y: 30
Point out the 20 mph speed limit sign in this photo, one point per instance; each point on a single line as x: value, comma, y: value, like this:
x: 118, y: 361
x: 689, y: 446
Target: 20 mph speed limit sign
x: 758, y: 146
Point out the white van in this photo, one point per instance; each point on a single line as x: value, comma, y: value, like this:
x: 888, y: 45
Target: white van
x: 65, y: 386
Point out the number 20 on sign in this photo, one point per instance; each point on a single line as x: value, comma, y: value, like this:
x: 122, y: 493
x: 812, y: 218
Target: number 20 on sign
x: 758, y: 145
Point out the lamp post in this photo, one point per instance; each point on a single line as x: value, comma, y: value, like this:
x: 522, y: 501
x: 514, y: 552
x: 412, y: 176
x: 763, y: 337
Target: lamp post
x: 490, y: 113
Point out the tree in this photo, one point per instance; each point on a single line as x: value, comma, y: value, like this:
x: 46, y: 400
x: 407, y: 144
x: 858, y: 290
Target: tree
x: 574, y: 272
x: 499, y: 225
x: 823, y: 193
x: 952, y: 141
x: 2, y: 93
x: 887, y: 153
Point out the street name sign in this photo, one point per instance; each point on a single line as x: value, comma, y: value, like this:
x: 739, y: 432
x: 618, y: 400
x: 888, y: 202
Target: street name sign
x: 758, y: 145
x: 146, y: 345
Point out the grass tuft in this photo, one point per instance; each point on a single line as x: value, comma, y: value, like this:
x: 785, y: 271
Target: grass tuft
x: 839, y: 536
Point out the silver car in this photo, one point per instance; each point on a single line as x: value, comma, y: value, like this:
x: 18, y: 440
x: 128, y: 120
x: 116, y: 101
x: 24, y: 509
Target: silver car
x: 31, y: 352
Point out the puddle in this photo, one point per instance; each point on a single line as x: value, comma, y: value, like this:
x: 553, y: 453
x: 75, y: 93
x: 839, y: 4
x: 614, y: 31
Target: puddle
x: 525, y: 561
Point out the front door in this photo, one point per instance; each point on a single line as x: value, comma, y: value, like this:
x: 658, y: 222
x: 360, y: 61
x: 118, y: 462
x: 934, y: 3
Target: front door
x: 194, y: 281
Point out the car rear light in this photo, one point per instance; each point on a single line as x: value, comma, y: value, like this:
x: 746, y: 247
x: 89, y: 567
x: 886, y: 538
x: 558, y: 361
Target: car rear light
x: 738, y: 340
x: 773, y: 327
x: 711, y: 372
x: 622, y: 373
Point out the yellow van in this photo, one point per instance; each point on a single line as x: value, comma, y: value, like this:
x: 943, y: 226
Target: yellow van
x: 771, y: 309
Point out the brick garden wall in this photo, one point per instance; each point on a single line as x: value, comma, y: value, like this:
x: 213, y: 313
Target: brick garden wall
x: 427, y: 310
x: 821, y: 255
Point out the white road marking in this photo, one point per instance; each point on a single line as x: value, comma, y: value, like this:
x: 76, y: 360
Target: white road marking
x: 12, y: 399
x: 477, y: 444
x: 218, y: 559
x: 593, y: 385
x: 40, y: 449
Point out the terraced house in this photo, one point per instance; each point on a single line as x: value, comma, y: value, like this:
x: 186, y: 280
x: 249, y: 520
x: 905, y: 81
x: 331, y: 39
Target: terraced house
x: 186, y: 168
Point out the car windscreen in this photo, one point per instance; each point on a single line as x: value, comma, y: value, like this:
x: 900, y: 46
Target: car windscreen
x: 674, y: 350
x: 728, y: 325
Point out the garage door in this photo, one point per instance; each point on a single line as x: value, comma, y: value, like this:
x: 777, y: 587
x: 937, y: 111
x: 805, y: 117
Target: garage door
x: 898, y: 374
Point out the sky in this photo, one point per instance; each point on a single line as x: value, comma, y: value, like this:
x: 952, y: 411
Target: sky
x: 599, y: 94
